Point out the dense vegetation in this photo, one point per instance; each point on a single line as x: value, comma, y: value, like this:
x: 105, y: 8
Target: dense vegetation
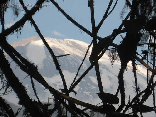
x: 138, y: 26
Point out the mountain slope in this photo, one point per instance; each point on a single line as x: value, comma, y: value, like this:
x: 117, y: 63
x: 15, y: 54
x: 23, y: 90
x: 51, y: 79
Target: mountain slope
x: 34, y: 50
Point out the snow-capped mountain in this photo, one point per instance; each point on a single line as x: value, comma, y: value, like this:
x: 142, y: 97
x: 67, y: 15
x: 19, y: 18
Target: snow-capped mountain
x: 34, y: 50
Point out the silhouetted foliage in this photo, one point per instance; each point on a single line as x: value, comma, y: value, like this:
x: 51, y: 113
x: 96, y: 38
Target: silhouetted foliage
x: 139, y: 26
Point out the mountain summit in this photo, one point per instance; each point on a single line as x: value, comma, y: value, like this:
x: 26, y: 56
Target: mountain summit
x: 34, y: 50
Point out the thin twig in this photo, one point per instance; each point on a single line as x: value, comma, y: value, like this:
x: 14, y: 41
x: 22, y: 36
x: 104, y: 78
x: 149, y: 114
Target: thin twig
x: 62, y: 55
x: 80, y: 78
x: 135, y: 76
x: 7, y: 107
x: 21, y: 22
x: 146, y: 93
x: 92, y: 17
x: 121, y: 86
x: 33, y: 86
x: 113, y: 7
x: 70, y: 18
x: 48, y: 47
x: 105, y: 15
x: 18, y: 87
x: 98, y: 77
x: 81, y: 64
x: 105, y: 48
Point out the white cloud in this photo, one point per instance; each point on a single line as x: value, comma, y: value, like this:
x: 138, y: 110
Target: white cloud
x: 58, y: 34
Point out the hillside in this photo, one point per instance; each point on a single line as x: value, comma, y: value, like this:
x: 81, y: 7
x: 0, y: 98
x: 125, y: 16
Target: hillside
x: 34, y: 50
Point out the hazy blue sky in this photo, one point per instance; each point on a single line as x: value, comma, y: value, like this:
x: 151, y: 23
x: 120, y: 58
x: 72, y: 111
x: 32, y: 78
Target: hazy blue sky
x: 53, y: 24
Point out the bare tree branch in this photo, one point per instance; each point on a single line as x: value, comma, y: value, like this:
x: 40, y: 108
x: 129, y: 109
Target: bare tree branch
x: 135, y: 76
x: 98, y: 77
x: 6, y: 107
x: 22, y: 20
x: 18, y: 87
x: 105, y: 15
x: 33, y: 86
x: 81, y: 65
x: 70, y: 18
x: 49, y: 49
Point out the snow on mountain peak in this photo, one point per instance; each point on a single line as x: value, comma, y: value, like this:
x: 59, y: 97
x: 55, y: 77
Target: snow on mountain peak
x: 34, y: 50
x: 77, y: 41
x: 36, y: 53
x: 69, y: 46
x: 24, y: 42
